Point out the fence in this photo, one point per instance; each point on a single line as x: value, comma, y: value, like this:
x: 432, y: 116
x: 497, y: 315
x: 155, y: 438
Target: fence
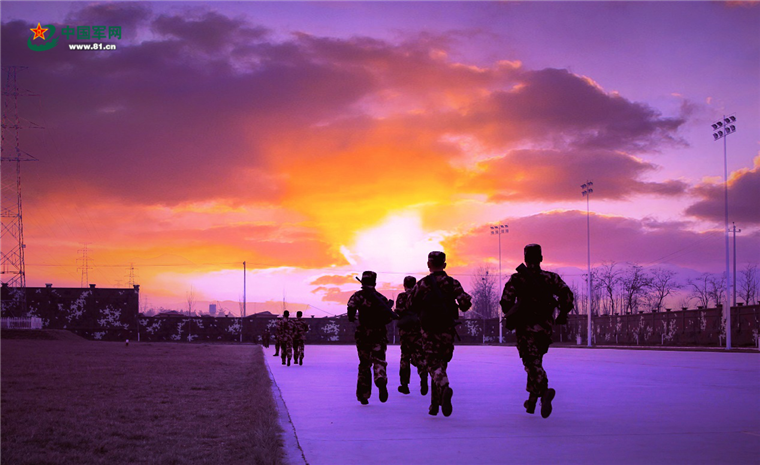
x: 22, y: 323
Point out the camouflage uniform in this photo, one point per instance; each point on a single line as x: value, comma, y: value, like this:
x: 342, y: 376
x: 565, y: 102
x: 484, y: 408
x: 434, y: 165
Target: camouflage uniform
x: 412, y: 351
x: 285, y: 338
x: 371, y: 344
x: 438, y: 346
x: 534, y: 332
x: 265, y: 338
x: 299, y: 336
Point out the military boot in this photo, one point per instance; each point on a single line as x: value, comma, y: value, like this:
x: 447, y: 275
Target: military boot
x: 433, y: 410
x: 447, y: 408
x: 403, y: 389
x: 423, y: 385
x: 546, y: 402
x: 382, y: 385
x: 530, y: 404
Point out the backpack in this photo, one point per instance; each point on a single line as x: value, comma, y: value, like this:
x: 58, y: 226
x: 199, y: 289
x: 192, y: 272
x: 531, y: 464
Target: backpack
x: 535, y: 301
x: 378, y: 314
x: 438, y: 312
x: 408, y: 319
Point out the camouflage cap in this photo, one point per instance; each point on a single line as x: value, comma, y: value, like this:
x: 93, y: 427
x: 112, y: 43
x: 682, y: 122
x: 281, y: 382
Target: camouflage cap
x: 437, y: 258
x: 533, y: 253
x: 286, y: 313
x: 410, y: 281
x: 369, y: 278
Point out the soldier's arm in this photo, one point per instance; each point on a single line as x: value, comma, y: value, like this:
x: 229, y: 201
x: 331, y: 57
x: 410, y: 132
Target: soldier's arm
x: 353, y: 304
x: 401, y: 300
x: 464, y: 299
x: 565, y: 298
x: 413, y: 298
x: 508, y: 296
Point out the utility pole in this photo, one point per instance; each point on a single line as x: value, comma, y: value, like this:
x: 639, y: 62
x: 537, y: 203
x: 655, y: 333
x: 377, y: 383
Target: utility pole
x: 12, y: 265
x: 244, y: 289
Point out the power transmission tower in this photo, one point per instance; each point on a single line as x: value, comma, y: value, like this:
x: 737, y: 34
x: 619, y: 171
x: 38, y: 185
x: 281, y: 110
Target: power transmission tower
x: 12, y: 265
x: 131, y: 281
x: 85, y: 266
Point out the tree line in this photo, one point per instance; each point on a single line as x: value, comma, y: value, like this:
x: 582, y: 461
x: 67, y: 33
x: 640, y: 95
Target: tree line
x: 628, y: 288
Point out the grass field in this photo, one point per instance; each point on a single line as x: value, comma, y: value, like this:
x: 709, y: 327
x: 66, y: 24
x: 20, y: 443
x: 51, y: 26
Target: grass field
x: 103, y: 402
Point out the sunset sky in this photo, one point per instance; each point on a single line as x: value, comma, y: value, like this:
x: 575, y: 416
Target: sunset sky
x: 317, y: 140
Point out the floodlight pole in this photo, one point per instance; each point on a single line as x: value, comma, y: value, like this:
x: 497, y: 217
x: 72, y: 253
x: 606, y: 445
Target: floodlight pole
x: 587, y: 190
x: 733, y: 227
x: 721, y: 130
x: 500, y: 228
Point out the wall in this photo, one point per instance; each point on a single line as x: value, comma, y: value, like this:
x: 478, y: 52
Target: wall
x: 94, y: 313
x: 112, y: 314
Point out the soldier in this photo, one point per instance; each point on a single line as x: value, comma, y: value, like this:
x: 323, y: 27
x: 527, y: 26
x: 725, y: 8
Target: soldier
x: 532, y: 317
x: 371, y: 336
x: 265, y: 337
x: 411, y: 340
x: 437, y: 298
x: 285, y: 337
x: 277, y: 339
x: 299, y: 336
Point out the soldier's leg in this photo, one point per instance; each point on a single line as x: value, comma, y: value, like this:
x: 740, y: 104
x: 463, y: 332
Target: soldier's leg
x: 276, y: 348
x: 296, y: 350
x: 364, y: 377
x: 379, y: 366
x: 418, y: 359
x: 532, y: 356
x: 437, y: 356
x: 302, y: 351
x: 405, y: 363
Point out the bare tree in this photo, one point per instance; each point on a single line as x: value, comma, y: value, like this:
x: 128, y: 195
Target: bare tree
x: 717, y: 289
x: 485, y: 297
x: 190, y: 300
x: 700, y: 289
x: 608, y: 278
x: 662, y: 284
x: 685, y: 301
x: 578, y: 296
x: 634, y: 283
x: 582, y: 299
x: 749, y: 284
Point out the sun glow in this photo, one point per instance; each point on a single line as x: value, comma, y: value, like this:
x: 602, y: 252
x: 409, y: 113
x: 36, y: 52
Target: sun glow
x: 398, y: 245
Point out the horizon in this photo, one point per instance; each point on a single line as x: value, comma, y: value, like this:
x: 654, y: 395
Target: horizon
x: 314, y: 141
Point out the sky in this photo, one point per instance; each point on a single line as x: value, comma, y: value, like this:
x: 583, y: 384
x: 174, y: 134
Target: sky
x: 315, y: 140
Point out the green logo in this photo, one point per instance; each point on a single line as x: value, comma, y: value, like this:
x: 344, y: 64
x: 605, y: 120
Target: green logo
x: 39, y: 33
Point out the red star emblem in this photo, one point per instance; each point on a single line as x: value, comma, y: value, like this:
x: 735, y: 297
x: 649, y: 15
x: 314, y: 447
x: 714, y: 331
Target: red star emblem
x: 39, y: 32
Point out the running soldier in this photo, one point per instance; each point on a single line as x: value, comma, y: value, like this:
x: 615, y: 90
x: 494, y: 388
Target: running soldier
x: 532, y: 317
x: 285, y: 337
x: 299, y: 338
x: 371, y: 337
x: 411, y: 340
x: 277, y: 338
x: 265, y: 337
x: 437, y: 298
